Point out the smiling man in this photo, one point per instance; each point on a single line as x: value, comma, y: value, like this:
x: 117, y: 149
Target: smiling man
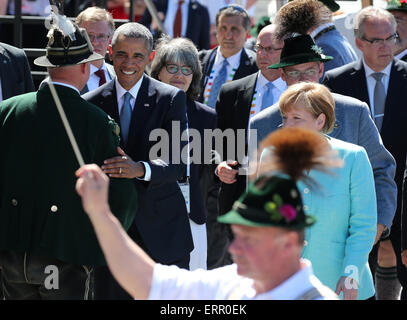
x: 141, y: 104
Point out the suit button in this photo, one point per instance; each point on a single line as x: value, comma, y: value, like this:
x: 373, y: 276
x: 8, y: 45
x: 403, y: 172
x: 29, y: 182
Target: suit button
x: 14, y: 202
x: 54, y: 208
x: 306, y: 190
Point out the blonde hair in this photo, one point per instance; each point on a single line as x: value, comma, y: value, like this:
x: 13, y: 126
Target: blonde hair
x: 96, y: 14
x: 315, y: 97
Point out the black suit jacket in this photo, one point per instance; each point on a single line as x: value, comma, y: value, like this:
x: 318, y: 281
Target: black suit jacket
x: 200, y: 117
x: 197, y: 26
x: 247, y: 66
x: 161, y: 220
x: 233, y: 111
x: 350, y: 80
x: 15, y: 73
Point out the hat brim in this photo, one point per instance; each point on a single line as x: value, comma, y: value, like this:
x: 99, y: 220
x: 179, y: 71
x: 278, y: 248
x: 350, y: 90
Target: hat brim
x: 233, y: 217
x: 294, y: 62
x: 396, y: 8
x: 43, y: 61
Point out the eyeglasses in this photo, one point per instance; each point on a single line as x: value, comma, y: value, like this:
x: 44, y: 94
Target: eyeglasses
x: 377, y: 42
x: 173, y: 69
x: 98, y: 37
x: 295, y: 74
x: 258, y: 47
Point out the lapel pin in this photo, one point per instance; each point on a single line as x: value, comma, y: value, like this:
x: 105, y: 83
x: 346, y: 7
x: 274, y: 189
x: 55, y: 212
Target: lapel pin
x: 146, y: 104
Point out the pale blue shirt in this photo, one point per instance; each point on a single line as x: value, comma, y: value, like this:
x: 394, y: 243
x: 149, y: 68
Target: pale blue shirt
x: 120, y: 92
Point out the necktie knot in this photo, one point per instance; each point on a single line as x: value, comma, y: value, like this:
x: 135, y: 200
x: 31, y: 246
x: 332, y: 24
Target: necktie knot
x: 101, y: 74
x: 378, y: 76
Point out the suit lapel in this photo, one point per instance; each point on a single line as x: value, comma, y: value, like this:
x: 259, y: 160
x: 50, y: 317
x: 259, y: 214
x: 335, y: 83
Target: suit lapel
x: 193, y: 19
x: 7, y: 75
x: 244, y: 102
x: 243, y: 66
x: 143, y: 108
x: 359, y: 90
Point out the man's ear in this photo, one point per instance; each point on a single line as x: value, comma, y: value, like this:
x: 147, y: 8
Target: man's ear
x: 152, y: 55
x: 358, y: 43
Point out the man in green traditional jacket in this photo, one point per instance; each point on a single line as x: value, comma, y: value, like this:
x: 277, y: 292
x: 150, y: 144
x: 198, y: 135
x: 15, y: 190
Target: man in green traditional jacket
x: 48, y: 248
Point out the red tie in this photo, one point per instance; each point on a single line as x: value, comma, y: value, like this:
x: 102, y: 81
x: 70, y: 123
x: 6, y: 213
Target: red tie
x: 101, y: 74
x: 178, y: 20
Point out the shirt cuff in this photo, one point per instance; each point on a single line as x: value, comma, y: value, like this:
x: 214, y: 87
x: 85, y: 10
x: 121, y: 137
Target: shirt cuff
x: 147, y: 173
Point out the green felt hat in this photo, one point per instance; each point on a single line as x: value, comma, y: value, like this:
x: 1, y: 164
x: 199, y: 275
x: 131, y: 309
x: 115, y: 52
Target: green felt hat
x: 62, y: 50
x: 270, y: 201
x: 399, y: 5
x: 261, y: 23
x: 298, y: 50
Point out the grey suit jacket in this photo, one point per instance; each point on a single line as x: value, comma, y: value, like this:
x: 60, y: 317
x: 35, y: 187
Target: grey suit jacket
x: 15, y: 73
x: 354, y: 125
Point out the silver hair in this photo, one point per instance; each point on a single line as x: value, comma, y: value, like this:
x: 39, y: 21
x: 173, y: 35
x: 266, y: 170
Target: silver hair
x: 371, y: 12
x: 134, y: 30
x: 183, y: 52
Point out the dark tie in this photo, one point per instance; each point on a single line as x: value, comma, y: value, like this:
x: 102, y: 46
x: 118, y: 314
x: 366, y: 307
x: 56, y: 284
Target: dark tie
x: 379, y: 99
x: 178, y: 20
x: 101, y: 74
x: 217, y: 83
x: 125, y: 116
x: 267, y: 100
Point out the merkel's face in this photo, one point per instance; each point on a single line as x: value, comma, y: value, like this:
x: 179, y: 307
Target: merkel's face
x: 298, y: 116
x: 130, y: 57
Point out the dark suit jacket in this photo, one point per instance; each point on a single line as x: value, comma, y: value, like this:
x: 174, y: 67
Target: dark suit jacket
x: 200, y: 117
x: 233, y: 111
x: 15, y: 73
x: 197, y: 26
x: 161, y: 220
x: 40, y: 211
x: 247, y: 66
x: 350, y: 80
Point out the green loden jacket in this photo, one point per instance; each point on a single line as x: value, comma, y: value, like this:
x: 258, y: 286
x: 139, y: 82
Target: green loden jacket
x: 40, y: 211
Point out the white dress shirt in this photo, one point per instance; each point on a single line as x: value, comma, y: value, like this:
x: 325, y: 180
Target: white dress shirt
x: 93, y: 82
x: 170, y: 17
x: 371, y: 83
x: 173, y: 283
x: 120, y: 92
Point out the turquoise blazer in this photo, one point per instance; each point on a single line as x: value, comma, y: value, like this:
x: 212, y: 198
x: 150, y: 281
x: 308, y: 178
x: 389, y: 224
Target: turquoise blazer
x: 344, y: 203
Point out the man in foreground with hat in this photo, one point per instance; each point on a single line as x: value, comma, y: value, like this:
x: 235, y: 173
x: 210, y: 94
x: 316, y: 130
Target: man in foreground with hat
x: 48, y: 248
x: 302, y: 60
x: 268, y: 223
x: 398, y: 8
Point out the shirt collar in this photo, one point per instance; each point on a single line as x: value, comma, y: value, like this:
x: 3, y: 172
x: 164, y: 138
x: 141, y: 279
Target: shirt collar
x: 93, y: 69
x: 320, y: 28
x: 233, y: 61
x: 278, y: 83
x: 120, y: 91
x: 369, y: 71
x: 66, y: 85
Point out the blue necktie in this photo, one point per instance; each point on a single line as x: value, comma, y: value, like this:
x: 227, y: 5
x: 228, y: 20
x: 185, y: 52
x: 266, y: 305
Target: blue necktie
x: 267, y: 100
x: 219, y: 80
x: 125, y: 116
x: 379, y: 99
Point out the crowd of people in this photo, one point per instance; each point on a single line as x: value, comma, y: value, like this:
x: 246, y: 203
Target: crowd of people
x: 306, y: 201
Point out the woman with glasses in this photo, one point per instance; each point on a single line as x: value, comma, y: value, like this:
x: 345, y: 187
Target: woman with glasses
x: 176, y: 63
x: 343, y: 201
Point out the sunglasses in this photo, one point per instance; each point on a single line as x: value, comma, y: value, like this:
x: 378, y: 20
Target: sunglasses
x: 173, y: 69
x: 236, y: 7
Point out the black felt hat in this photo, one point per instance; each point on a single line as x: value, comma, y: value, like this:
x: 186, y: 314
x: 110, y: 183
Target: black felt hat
x: 270, y: 201
x: 399, y: 5
x: 65, y: 50
x: 298, y: 50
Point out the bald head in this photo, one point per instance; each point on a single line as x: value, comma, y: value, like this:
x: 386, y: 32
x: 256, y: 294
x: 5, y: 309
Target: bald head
x: 268, y: 50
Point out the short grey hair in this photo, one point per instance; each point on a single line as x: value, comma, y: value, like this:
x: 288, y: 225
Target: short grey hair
x: 134, y: 30
x: 181, y: 51
x: 368, y: 13
x: 96, y: 14
x: 233, y: 10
